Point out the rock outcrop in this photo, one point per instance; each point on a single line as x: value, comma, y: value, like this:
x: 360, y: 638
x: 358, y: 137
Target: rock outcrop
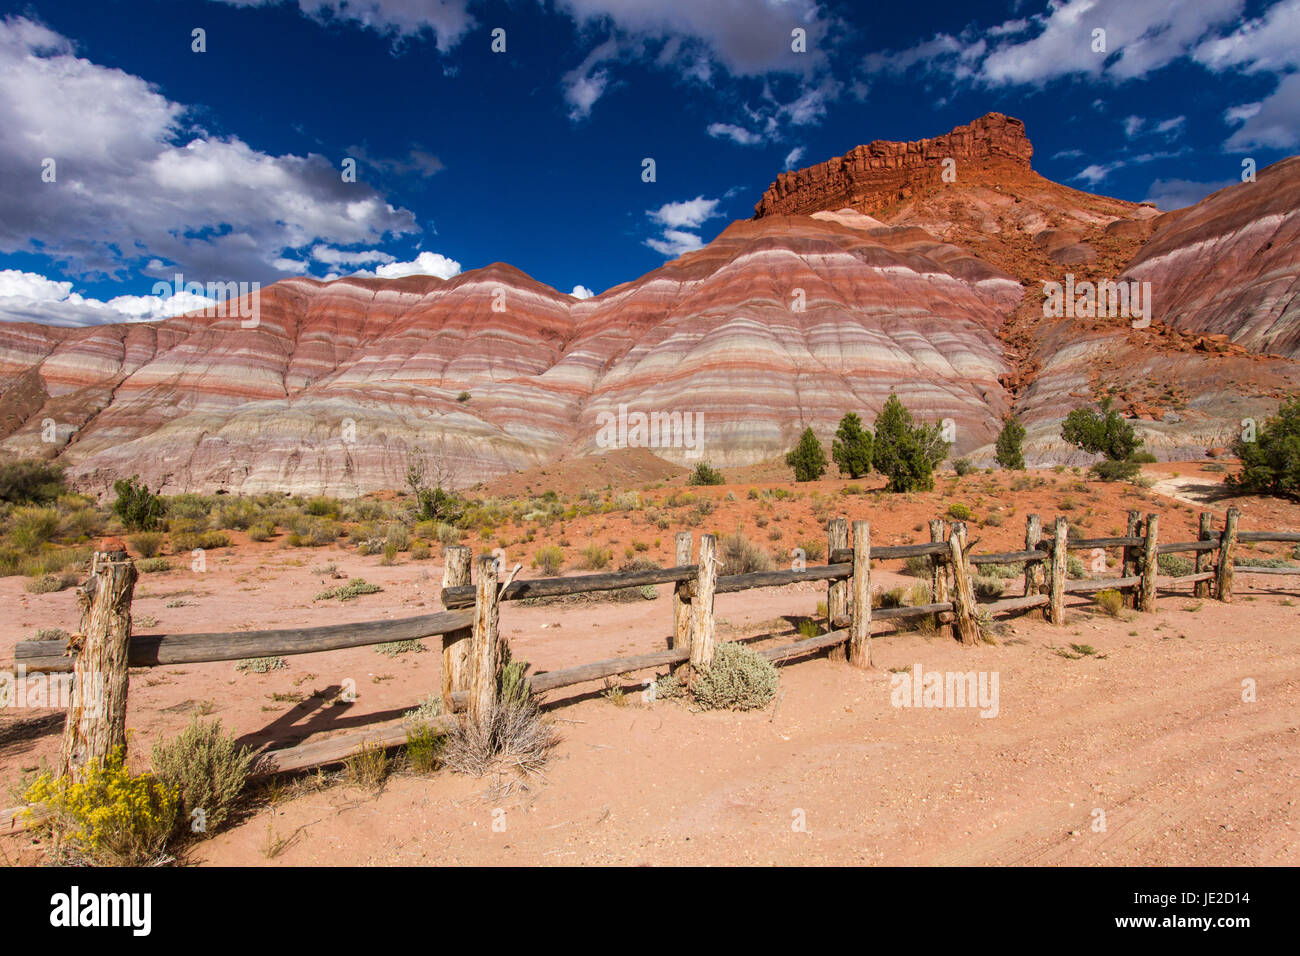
x: 882, y: 172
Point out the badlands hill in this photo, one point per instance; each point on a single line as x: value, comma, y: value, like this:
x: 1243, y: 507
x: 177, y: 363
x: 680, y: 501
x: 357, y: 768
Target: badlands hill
x: 864, y: 274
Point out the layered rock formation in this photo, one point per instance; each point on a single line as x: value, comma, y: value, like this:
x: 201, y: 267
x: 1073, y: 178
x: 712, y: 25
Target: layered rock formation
x: 1231, y: 264
x: 773, y: 327
x: 881, y: 173
x: 863, y: 275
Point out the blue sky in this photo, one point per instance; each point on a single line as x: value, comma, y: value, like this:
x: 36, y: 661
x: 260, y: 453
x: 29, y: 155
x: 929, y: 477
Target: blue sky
x: 227, y: 164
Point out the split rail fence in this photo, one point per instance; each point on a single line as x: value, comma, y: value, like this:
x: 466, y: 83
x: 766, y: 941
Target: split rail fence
x: 474, y: 650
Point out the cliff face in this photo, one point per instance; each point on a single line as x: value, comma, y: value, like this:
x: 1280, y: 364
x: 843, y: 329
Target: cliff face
x: 881, y: 173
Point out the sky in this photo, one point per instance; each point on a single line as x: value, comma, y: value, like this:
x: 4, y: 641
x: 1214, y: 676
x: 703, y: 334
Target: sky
x: 254, y: 140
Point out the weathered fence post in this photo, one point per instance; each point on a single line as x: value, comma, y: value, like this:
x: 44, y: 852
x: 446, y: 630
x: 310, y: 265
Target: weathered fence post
x: 1227, y: 551
x: 96, y: 721
x: 455, y: 644
x: 1204, y: 558
x: 702, y: 633
x: 682, y: 592
x: 1129, y: 568
x: 1057, y: 572
x: 1150, y: 565
x: 1033, y: 569
x: 860, y: 624
x: 963, y: 591
x: 837, y: 592
x: 485, y: 657
x: 938, y: 576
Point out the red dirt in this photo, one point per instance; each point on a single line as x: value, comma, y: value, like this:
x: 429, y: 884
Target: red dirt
x: 1152, y: 729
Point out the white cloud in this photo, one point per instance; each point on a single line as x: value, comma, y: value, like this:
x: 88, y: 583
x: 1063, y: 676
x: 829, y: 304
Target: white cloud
x: 1177, y: 193
x: 586, y: 83
x: 581, y: 292
x: 341, y: 257
x: 1097, y: 172
x: 676, y: 220
x: 675, y: 242
x: 426, y: 263
x: 128, y: 192
x: 737, y: 134
x: 792, y: 158
x: 1132, y: 125
x: 31, y: 297
x: 1268, y: 43
x: 690, y: 214
x: 447, y: 20
x: 1273, y: 123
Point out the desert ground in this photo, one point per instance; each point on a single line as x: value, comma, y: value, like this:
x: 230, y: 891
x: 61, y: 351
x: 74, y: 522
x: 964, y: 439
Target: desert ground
x: 1137, y: 717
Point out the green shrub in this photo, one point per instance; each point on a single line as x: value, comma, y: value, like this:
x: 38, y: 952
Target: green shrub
x: 1175, y: 565
x: 738, y: 679
x: 959, y: 512
x: 1270, y: 465
x: 963, y: 467
x: 31, y: 481
x: 393, y: 648
x: 851, y: 447
x: 109, y: 816
x: 49, y: 583
x: 1074, y: 567
x: 346, y: 592
x: 807, y: 459
x: 705, y: 474
x: 918, y: 566
x: 904, y: 451
x: 549, y: 559
x: 987, y: 589
x: 1009, y: 454
x: 153, y: 565
x: 137, y: 507
x: 1106, y: 470
x: 147, y: 543
x: 594, y: 557
x: 261, y: 665
x: 207, y: 770
x: 1103, y: 432
x: 31, y: 527
x: 423, y: 748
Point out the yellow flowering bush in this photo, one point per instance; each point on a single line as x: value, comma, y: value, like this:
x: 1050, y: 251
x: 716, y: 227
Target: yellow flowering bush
x: 109, y: 817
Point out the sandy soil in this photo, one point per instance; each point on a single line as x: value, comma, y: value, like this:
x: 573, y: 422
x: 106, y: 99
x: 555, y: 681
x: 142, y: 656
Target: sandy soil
x: 1151, y: 729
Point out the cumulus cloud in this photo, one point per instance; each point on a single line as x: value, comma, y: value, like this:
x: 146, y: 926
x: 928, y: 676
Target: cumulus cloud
x: 342, y: 257
x: 586, y: 83
x: 425, y: 264
x: 677, y: 219
x: 581, y: 292
x: 32, y: 297
x: 1097, y: 172
x: 133, y: 185
x: 792, y: 158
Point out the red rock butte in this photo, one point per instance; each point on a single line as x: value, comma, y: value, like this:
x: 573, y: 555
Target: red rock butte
x: 882, y: 172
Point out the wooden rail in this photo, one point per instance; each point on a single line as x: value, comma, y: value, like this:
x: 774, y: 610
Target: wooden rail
x: 474, y: 649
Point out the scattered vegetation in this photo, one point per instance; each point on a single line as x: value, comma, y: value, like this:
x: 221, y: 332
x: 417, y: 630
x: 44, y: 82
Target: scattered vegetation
x: 1110, y: 435
x: 705, y: 474
x: 261, y: 665
x: 138, y: 508
x: 346, y: 592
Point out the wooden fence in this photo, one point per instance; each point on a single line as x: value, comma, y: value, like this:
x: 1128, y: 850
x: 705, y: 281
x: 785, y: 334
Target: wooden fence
x: 474, y: 650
